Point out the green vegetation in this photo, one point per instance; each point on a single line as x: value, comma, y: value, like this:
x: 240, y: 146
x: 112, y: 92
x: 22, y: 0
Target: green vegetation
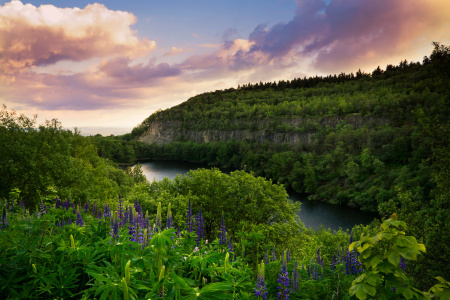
x: 104, y: 254
x: 45, y: 161
x: 377, y: 141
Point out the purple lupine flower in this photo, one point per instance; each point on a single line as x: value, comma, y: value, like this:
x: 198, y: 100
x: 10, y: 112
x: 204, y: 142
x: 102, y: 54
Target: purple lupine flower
x: 178, y: 232
x: 132, y: 227
x: 69, y: 222
x: 107, y: 212
x: 99, y: 214
x: 63, y: 223
x: 274, y: 256
x: 333, y: 263
x: 169, y: 219
x: 120, y: 210
x: 230, y: 245
x: 199, y: 225
x: 261, y: 289
x: 266, y: 257
x: 295, y: 278
x: 403, y: 264
x: 137, y: 206
x: 66, y: 204
x: 4, y: 220
x: 283, y: 281
x: 319, y: 259
x: 114, y: 229
x: 189, y: 216
x: 288, y: 255
x: 86, y: 206
x: 223, y: 232
x: 94, y: 210
x: 79, y: 221
x: 57, y: 203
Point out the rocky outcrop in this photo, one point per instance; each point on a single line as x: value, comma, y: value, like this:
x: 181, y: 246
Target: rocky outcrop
x: 298, y: 130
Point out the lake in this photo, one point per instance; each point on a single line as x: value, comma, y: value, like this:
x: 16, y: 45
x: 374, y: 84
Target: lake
x: 313, y: 214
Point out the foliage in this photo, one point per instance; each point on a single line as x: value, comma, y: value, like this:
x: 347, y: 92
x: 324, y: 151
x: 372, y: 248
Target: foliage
x: 48, y: 160
x: 381, y: 256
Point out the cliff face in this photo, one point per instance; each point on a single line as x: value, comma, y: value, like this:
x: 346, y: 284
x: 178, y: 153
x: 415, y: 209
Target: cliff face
x: 163, y: 132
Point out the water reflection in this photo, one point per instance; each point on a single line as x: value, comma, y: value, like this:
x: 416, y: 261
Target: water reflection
x: 313, y: 214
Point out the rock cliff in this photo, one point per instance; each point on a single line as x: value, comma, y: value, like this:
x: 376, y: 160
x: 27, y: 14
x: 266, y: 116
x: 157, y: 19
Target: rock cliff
x: 296, y: 130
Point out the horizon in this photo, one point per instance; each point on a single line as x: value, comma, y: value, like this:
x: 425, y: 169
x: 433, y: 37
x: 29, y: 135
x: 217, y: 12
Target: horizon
x: 110, y: 66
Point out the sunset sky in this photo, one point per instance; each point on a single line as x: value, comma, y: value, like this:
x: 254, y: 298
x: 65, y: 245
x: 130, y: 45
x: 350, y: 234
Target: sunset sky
x: 114, y: 63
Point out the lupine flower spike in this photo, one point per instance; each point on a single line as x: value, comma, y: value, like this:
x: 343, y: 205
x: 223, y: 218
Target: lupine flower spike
x: 223, y: 232
x: 86, y: 207
x: 80, y: 221
x: 189, y: 221
x: 107, y: 212
x: 115, y: 229
x: 230, y: 245
x: 120, y: 209
x: 199, y: 225
x: 283, y: 281
x: 169, y: 221
x: 261, y: 289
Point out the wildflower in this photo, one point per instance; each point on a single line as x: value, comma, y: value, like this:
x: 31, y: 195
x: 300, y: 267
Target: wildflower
x: 195, y: 249
x: 107, y: 212
x: 261, y: 289
x: 69, y: 222
x: 199, y: 224
x: 274, y: 256
x: 131, y: 227
x: 94, y: 210
x: 206, y: 242
x: 185, y: 258
x: 114, y: 228
x: 230, y: 245
x: 283, y: 280
x: 137, y: 207
x: 86, y: 207
x: 120, y: 209
x: 403, y: 264
x: 223, y: 232
x: 189, y: 221
x: 57, y: 203
x: 319, y: 259
x: 178, y: 232
x: 266, y: 257
x: 79, y: 221
x: 169, y: 221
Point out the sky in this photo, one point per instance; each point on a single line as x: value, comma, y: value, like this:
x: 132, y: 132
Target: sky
x: 112, y: 64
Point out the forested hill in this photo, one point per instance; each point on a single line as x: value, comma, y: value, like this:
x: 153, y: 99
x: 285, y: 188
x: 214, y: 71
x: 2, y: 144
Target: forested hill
x: 348, y: 139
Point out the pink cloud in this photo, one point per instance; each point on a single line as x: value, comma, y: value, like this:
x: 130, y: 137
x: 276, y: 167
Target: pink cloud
x: 346, y: 33
x: 36, y: 36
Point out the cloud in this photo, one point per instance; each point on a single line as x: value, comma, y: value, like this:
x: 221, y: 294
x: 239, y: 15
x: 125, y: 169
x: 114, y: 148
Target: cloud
x: 121, y: 70
x: 345, y: 33
x: 174, y: 51
x: 38, y: 36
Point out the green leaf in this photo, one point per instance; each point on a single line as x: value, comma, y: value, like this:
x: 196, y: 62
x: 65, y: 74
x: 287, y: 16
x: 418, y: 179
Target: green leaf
x: 362, y: 290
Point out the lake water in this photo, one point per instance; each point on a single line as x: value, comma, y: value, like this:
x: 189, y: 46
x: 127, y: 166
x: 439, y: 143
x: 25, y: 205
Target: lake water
x: 313, y: 214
